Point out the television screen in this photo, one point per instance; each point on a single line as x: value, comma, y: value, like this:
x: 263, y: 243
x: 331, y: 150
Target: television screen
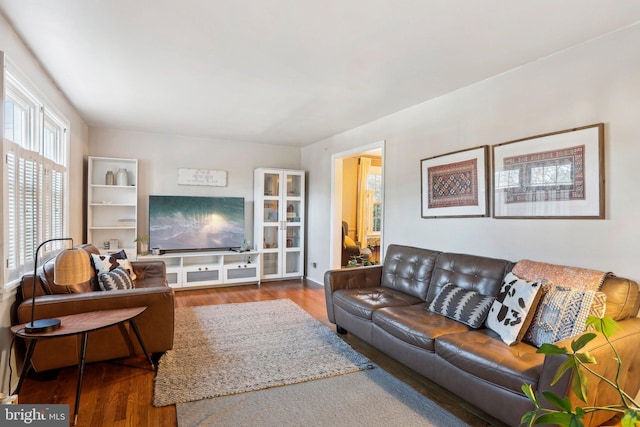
x: 195, y: 223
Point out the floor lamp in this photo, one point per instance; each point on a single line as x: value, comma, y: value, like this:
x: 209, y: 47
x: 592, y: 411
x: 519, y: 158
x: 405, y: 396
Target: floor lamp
x: 72, y: 267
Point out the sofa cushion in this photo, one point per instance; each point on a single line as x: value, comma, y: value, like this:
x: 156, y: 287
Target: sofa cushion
x: 408, y: 269
x: 362, y: 302
x: 513, y: 308
x: 481, y: 274
x: 468, y: 307
x: 562, y: 313
x: 482, y: 354
x: 416, y: 325
x: 116, y: 279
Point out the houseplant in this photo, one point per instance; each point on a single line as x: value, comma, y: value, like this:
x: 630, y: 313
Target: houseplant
x: 144, y: 244
x: 563, y: 414
x: 359, y: 261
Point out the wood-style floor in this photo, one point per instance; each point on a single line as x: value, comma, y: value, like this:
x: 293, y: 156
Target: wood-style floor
x: 120, y: 392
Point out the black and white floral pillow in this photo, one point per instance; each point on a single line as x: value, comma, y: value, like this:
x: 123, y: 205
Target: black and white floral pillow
x: 514, y: 307
x: 103, y: 263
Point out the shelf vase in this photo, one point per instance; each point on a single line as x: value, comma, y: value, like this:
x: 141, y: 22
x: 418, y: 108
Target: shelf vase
x: 122, y: 178
x: 144, y: 248
x: 109, y: 178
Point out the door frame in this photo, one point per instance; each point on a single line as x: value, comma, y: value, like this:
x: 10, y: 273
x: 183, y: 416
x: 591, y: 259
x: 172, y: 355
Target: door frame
x: 335, y: 252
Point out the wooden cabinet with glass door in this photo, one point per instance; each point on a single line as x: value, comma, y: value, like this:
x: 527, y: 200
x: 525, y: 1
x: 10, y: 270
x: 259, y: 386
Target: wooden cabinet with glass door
x: 279, y: 221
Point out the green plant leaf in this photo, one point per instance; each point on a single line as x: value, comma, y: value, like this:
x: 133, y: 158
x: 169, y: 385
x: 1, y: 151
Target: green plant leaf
x: 557, y: 401
x: 586, y: 357
x: 579, y: 385
x: 528, y: 391
x: 570, y: 363
x: 582, y: 341
x: 560, y: 418
x: 606, y: 326
x: 551, y: 349
x: 631, y: 418
x: 529, y: 418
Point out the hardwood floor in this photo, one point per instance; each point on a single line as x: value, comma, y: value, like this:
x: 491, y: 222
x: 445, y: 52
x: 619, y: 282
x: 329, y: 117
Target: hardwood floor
x: 120, y: 392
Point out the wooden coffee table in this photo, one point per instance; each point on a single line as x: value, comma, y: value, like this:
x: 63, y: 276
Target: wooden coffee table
x: 81, y: 323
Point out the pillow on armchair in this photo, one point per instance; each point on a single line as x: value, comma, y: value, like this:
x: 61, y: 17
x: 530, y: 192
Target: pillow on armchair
x: 105, y: 263
x: 115, y: 279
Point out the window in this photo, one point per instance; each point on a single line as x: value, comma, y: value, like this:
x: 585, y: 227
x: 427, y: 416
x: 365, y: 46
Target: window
x: 35, y: 153
x: 374, y: 185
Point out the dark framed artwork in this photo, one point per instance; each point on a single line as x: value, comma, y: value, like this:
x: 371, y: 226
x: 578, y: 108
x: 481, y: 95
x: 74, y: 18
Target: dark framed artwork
x: 555, y: 175
x: 456, y: 184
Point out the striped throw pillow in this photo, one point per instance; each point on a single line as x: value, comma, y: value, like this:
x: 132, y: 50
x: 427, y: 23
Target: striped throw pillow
x: 118, y: 278
x: 465, y: 306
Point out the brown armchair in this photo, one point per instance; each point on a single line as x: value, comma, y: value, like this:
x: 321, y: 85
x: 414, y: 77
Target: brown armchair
x: 348, y: 250
x: 156, y: 323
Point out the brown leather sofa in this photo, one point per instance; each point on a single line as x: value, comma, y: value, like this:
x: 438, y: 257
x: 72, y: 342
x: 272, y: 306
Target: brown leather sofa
x: 386, y: 306
x: 156, y: 323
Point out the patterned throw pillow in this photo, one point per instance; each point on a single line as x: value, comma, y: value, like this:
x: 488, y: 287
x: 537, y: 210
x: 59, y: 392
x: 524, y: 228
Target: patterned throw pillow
x: 115, y: 279
x: 103, y: 263
x: 562, y: 313
x: 465, y: 306
x: 513, y: 308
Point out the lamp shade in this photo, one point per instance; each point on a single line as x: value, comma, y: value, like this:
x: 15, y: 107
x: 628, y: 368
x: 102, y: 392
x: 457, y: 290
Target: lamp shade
x: 72, y: 267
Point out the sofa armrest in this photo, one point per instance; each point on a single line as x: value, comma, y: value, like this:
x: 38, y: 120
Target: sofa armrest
x: 626, y: 342
x: 349, y: 278
x: 156, y: 324
x: 149, y: 269
x: 48, y: 306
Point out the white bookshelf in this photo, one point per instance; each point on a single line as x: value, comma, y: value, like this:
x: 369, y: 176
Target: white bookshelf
x: 112, y: 210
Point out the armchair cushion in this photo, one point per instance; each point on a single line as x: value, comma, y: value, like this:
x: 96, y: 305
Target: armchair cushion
x: 348, y: 241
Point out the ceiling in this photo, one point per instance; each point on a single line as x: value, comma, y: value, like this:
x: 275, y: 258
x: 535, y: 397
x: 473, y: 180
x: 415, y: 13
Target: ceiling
x: 288, y: 72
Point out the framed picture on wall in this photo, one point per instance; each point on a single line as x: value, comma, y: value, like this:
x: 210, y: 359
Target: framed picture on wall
x: 555, y: 175
x: 455, y: 184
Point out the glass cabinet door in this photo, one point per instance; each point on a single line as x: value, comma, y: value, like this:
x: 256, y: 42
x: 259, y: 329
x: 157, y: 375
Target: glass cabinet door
x: 293, y: 237
x: 270, y: 263
x: 293, y: 211
x: 294, y: 185
x: 293, y: 263
x: 272, y: 184
x: 271, y: 211
x: 271, y: 236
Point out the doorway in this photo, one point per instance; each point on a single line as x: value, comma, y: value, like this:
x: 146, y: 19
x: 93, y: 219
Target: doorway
x: 357, y: 196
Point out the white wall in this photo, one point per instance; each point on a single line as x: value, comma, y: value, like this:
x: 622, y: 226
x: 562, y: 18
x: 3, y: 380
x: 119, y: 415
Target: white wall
x: 161, y: 155
x: 598, y: 81
x: 19, y: 56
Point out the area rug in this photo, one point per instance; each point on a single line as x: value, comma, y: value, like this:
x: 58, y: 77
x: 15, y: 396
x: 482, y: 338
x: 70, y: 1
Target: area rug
x: 234, y: 348
x: 366, y: 398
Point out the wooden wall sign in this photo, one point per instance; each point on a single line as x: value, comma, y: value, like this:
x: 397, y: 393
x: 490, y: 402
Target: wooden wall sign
x: 209, y: 177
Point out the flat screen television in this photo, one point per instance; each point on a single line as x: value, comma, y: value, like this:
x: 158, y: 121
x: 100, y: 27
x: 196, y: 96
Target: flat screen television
x: 186, y: 223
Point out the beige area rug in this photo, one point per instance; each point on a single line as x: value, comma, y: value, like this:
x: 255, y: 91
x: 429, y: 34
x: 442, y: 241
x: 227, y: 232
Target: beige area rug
x: 367, y: 398
x: 226, y: 349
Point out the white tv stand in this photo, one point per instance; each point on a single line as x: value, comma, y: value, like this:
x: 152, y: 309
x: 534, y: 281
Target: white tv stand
x: 186, y: 270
